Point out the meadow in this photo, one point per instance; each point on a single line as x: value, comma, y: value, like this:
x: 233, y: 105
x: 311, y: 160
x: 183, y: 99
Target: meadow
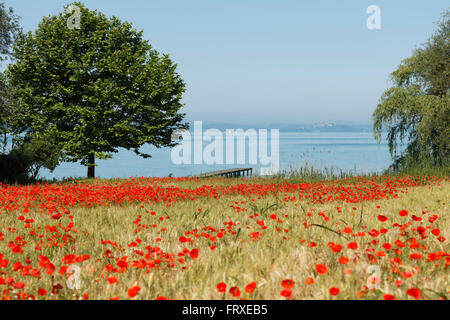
x: 379, y: 237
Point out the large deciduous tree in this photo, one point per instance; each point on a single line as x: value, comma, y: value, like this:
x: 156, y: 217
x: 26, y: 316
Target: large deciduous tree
x: 416, y: 110
x: 95, y: 88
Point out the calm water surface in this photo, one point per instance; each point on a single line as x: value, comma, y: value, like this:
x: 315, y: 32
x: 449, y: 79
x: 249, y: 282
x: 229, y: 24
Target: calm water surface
x: 357, y: 151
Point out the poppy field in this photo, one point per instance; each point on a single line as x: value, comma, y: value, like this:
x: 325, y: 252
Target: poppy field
x: 188, y: 238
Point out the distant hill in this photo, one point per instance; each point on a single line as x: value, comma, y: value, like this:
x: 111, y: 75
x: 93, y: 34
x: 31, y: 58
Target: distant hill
x: 314, y: 127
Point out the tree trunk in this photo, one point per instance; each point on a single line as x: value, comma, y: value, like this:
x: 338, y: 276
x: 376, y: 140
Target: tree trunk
x: 91, y: 166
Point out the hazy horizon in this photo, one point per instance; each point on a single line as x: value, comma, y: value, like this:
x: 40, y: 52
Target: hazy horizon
x: 272, y: 61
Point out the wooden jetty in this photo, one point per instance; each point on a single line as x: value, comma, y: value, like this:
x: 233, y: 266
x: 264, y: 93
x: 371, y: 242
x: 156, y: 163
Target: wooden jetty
x: 229, y: 173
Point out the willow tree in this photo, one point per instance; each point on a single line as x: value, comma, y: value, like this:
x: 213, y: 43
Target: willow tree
x: 9, y: 28
x: 95, y: 86
x: 416, y: 110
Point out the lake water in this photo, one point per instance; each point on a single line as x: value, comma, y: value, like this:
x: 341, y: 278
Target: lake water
x: 357, y: 151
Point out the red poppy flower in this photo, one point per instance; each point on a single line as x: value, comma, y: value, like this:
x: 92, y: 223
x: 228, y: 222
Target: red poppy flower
x: 19, y: 285
x: 287, y: 284
x: 321, y: 268
x: 343, y: 260
x: 250, y: 287
x: 352, y: 245
x: 112, y: 280
x: 132, y: 292
x: 42, y: 292
x: 403, y: 213
x: 221, y: 287
x: 415, y: 256
x: 286, y: 293
x: 414, y: 292
x: 436, y: 232
x: 56, y: 288
x: 49, y: 269
x: 235, y: 291
x: 334, y: 291
x: 388, y: 297
x: 336, y: 248
x: 194, y: 253
x: 348, y: 230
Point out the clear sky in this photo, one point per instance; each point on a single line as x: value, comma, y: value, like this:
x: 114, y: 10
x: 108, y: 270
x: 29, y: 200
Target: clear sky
x: 259, y: 61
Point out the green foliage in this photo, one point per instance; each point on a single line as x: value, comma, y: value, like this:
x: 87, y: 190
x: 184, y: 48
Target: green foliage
x: 9, y: 113
x: 23, y: 162
x: 15, y: 167
x: 97, y: 88
x: 416, y: 109
x: 43, y: 152
x: 9, y: 27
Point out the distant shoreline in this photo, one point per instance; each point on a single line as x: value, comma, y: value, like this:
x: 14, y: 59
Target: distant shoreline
x: 290, y: 127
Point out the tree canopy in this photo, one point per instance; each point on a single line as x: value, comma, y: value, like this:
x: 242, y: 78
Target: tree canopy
x: 95, y: 89
x: 416, y: 110
x: 9, y: 27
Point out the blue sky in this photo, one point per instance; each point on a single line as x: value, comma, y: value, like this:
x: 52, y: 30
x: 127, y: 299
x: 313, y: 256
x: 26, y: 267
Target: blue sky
x: 260, y: 61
